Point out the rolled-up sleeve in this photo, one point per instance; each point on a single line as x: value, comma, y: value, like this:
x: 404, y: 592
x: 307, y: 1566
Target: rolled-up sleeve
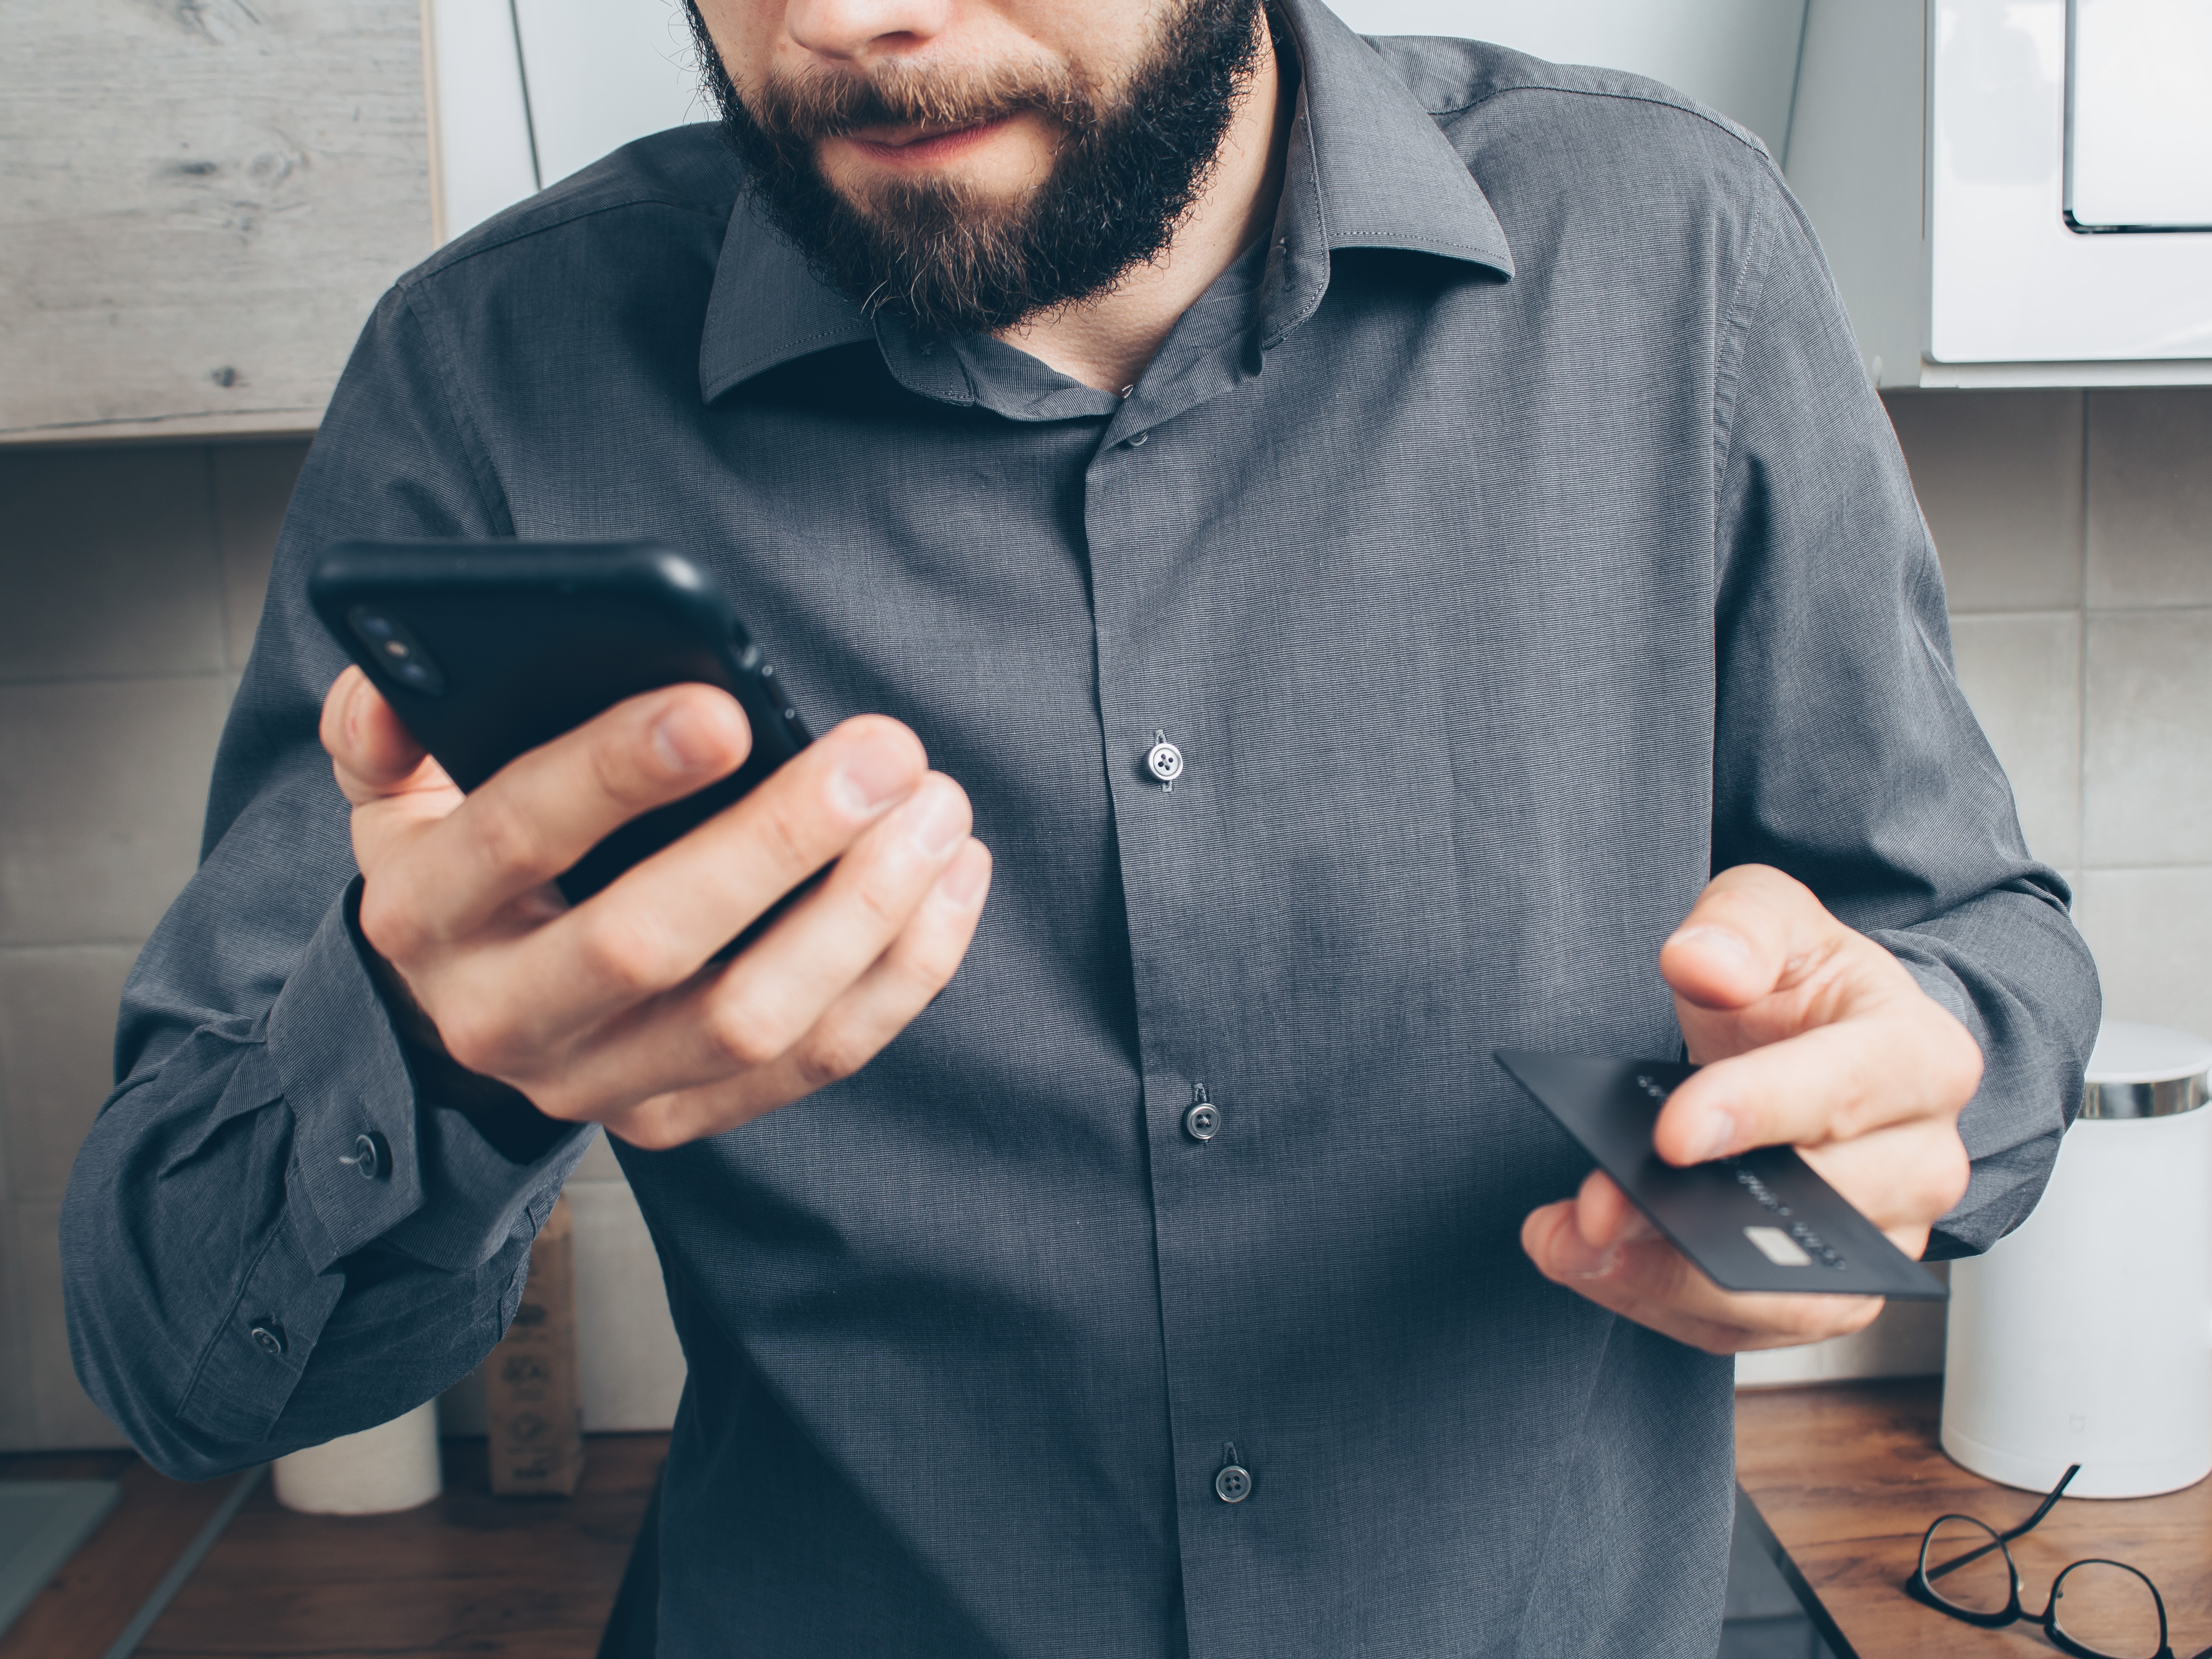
x: 1845, y: 752
x: 240, y: 1279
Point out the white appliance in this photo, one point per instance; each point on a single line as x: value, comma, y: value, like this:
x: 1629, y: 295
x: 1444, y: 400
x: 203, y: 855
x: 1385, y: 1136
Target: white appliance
x: 2013, y: 192
x: 2086, y: 1336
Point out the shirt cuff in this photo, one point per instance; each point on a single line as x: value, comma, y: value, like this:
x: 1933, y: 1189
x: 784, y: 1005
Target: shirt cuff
x: 372, y: 1159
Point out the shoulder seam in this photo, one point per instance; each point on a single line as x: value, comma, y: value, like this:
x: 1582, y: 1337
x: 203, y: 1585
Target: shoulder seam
x: 1747, y: 295
x: 1690, y: 110
x: 491, y: 495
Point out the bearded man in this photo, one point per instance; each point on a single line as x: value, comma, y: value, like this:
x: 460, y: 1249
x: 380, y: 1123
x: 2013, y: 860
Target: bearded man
x: 1464, y: 464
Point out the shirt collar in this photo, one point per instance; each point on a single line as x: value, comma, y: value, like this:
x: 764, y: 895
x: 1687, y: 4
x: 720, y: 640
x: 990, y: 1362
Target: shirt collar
x: 1368, y: 167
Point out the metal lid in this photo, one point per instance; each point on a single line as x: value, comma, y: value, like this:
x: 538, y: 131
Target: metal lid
x: 2146, y: 1071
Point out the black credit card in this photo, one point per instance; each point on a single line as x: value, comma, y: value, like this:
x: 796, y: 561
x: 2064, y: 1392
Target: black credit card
x: 1762, y: 1221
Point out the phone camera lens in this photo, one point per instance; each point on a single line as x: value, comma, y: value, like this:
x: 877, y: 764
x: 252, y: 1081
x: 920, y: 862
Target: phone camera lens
x: 392, y: 646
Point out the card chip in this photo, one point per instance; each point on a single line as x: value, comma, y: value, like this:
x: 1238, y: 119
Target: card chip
x: 1777, y: 1247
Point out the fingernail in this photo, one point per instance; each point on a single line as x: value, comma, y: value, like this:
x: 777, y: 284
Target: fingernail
x: 964, y: 883
x: 871, y: 780
x: 1718, y: 938
x: 938, y: 824
x: 685, y: 739
x: 1716, y: 1138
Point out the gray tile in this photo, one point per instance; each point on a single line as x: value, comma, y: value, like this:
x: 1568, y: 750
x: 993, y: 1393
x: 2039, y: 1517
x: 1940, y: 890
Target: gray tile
x: 2150, y: 497
x: 2147, y: 737
x: 107, y: 564
x: 99, y: 821
x: 63, y: 1413
x: 598, y: 1162
x: 1999, y: 475
x: 2147, y: 929
x: 253, y: 487
x: 2022, y: 675
x: 57, y: 1034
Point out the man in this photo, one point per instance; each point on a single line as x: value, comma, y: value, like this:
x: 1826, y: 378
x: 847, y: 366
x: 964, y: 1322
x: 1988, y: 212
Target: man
x: 1463, y: 463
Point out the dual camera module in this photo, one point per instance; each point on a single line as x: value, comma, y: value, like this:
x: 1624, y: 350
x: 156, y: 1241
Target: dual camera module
x: 396, y: 647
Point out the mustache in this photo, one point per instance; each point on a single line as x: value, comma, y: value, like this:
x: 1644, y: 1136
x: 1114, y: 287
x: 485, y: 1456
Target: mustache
x: 802, y: 109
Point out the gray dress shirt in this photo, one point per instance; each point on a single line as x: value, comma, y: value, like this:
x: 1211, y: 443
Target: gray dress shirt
x: 1509, y: 542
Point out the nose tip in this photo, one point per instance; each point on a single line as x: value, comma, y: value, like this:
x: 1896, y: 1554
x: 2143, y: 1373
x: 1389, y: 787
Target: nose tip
x: 849, y: 29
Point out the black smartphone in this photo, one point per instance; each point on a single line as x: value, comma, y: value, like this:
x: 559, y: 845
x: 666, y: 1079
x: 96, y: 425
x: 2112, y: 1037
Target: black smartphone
x: 486, y: 650
x: 1762, y: 1221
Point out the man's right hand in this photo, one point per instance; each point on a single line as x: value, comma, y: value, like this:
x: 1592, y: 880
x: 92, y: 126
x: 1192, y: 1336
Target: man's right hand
x: 611, y: 1011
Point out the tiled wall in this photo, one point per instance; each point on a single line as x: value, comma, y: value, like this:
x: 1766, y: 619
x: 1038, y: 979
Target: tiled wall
x: 2076, y: 537
x: 130, y: 579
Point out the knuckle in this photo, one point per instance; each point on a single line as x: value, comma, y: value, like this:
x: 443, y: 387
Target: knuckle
x: 930, y: 957
x: 389, y: 922
x: 615, y: 772
x: 1949, y: 1174
x: 621, y: 950
x: 508, y: 842
x: 743, y: 1035
x: 881, y: 903
x: 787, y: 840
x: 476, y: 1041
x: 832, y: 1053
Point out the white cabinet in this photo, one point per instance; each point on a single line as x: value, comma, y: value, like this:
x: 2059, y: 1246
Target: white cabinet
x: 2013, y: 192
x: 2139, y: 116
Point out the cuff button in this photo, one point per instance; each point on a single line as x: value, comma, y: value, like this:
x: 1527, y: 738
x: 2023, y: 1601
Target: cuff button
x: 269, y: 1337
x: 371, y: 1157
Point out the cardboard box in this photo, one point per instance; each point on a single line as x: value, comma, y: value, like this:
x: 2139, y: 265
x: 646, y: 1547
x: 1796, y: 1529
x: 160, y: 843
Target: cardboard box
x: 533, y: 1397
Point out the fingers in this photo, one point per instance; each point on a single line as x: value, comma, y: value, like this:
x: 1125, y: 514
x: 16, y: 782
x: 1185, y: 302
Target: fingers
x: 749, y: 1016
x: 656, y: 924
x: 546, y: 809
x: 1825, y: 1085
x: 1628, y: 1268
x: 1750, y: 926
x: 1808, y: 1031
x: 371, y: 752
x: 849, y: 1033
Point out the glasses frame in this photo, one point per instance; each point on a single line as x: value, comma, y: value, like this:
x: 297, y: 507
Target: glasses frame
x: 1921, y: 1586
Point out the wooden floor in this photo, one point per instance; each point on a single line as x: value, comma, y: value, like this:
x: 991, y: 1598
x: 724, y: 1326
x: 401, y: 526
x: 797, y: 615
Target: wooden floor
x: 506, y: 1578
x: 1848, y: 1474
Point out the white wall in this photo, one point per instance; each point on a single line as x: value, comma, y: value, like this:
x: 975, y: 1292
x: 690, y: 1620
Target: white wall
x: 1738, y: 56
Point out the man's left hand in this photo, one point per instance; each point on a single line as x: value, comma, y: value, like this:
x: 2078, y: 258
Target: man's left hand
x: 1813, y: 1036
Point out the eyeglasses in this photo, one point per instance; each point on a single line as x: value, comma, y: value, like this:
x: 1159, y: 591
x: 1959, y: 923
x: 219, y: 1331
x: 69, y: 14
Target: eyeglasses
x: 2113, y: 1611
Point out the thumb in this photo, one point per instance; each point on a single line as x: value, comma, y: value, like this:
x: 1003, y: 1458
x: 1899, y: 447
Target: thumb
x: 1739, y: 940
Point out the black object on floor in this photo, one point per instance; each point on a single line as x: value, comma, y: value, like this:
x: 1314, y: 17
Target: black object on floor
x: 1764, y: 1618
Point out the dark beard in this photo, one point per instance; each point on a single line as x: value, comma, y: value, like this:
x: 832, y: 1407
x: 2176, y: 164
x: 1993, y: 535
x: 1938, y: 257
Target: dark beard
x: 1124, y: 173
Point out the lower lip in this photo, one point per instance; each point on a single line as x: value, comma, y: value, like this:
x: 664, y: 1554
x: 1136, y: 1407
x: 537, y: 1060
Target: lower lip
x: 924, y: 152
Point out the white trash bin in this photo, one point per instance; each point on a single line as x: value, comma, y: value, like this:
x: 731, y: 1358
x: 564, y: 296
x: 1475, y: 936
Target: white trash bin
x: 2086, y: 1335
x: 391, y: 1467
